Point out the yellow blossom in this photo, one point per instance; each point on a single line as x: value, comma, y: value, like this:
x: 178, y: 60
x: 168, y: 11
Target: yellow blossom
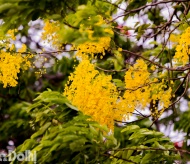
x: 93, y: 94
x: 141, y: 89
x: 94, y: 47
x: 22, y: 49
x: 183, y: 49
x: 119, y: 49
x: 12, y: 62
x: 50, y: 33
x: 10, y: 66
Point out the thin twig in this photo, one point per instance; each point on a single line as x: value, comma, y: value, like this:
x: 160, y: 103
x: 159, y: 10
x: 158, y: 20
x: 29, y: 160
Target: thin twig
x: 146, y: 84
x: 70, y: 25
x: 106, y: 70
x: 140, y: 113
x: 145, y: 6
x: 164, y: 45
x: 155, y: 149
x: 113, y: 5
x: 181, y: 84
x: 126, y: 123
x: 180, y: 69
x: 127, y: 160
x: 185, y: 90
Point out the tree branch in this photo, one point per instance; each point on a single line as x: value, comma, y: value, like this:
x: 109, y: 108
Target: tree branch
x: 155, y: 149
x: 145, y: 6
x: 180, y: 69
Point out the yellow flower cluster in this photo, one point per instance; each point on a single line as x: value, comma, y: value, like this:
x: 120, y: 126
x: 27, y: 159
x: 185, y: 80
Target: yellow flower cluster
x: 10, y: 65
x: 92, y: 48
x: 5, y: 39
x: 12, y: 62
x: 183, y: 48
x: 9, y: 68
x: 141, y: 89
x: 137, y: 75
x: 160, y: 93
x: 11, y: 34
x: 174, y: 39
x: 137, y: 80
x: 93, y: 93
x: 95, y: 45
x: 50, y: 34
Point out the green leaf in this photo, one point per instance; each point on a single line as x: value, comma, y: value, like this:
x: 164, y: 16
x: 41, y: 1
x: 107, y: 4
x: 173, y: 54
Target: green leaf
x: 131, y: 128
x: 129, y: 153
x: 51, y: 96
x: 146, y: 158
x: 27, y: 145
x: 71, y: 106
x: 118, y: 83
x: 6, y: 6
x: 77, y: 144
x: 55, y: 16
x: 41, y: 131
x: 141, y: 133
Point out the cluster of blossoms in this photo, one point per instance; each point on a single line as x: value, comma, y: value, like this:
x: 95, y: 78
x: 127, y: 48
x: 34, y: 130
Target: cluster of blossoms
x: 50, y: 34
x: 11, y: 64
x: 183, y: 49
x: 95, y: 47
x: 11, y: 61
x: 141, y: 88
x: 137, y: 80
x: 94, y: 94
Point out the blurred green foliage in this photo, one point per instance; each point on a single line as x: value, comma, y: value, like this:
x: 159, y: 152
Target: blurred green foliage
x: 54, y: 128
